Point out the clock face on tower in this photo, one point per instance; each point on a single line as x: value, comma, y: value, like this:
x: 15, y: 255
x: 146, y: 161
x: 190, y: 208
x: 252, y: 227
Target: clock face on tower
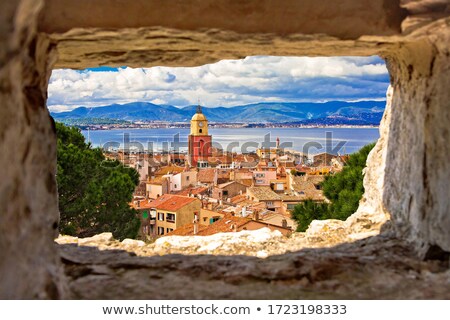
x: 200, y: 124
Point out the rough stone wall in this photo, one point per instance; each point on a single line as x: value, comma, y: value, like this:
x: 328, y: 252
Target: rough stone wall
x: 407, y: 173
x: 416, y: 191
x: 371, y: 214
x: 29, y: 263
x: 345, y: 19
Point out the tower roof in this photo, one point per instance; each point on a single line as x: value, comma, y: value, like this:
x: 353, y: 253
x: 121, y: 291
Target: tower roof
x: 199, y: 116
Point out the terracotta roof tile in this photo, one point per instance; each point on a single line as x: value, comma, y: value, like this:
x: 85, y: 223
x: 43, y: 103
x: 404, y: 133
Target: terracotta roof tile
x: 157, y: 180
x: 169, y: 169
x: 305, y: 187
x: 186, y: 230
x: 246, y: 182
x: 171, y: 202
x: 264, y: 193
x: 206, y: 175
x: 227, y: 224
x: 193, y: 191
x: 140, y: 204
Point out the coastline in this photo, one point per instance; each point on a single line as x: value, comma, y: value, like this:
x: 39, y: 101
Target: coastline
x: 95, y: 127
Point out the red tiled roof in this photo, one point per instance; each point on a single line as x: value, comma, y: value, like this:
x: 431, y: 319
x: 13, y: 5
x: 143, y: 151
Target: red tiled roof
x: 140, y: 204
x: 186, y: 230
x: 193, y: 191
x: 305, y: 187
x: 223, y: 225
x: 302, y: 168
x: 238, y: 198
x: 206, y: 175
x: 226, y: 224
x: 263, y: 193
x: 169, y: 169
x: 246, y: 182
x: 171, y: 202
x: 157, y: 180
x: 220, y: 159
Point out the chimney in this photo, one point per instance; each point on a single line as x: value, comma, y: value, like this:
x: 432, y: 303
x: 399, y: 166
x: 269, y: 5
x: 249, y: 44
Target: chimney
x: 195, y: 223
x: 215, y: 177
x: 284, y: 223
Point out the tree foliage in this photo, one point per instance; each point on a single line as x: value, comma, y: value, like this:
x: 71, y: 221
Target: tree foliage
x: 94, y: 193
x: 308, y: 211
x: 343, y: 189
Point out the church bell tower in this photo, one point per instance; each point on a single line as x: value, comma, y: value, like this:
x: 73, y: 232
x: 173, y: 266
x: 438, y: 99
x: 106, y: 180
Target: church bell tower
x: 199, y: 141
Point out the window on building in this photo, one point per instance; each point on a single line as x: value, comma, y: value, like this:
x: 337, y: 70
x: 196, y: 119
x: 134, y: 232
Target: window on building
x: 170, y: 217
x: 160, y: 231
x: 269, y: 203
x: 187, y: 178
x: 169, y: 230
x: 175, y: 186
x: 213, y: 219
x: 160, y: 216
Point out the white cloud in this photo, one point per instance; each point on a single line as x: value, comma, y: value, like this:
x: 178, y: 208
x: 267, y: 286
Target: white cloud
x: 225, y: 83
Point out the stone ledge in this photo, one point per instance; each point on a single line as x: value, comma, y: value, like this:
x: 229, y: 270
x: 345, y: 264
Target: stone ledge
x: 380, y: 267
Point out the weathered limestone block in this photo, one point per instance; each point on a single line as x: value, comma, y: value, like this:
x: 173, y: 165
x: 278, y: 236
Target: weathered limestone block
x: 131, y: 243
x: 371, y: 215
x: 99, y: 239
x: 417, y: 169
x: 407, y: 175
x: 29, y: 262
x: 379, y: 267
x: 189, y: 33
x: 346, y: 19
x: 326, y: 233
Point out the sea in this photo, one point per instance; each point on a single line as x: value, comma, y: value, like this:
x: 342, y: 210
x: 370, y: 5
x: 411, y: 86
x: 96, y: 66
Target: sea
x: 241, y: 140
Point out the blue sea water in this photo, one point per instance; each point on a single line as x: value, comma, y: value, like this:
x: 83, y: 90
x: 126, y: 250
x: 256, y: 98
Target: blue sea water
x: 308, y: 140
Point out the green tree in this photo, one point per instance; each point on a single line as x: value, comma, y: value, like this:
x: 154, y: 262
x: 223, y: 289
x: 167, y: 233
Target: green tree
x: 94, y: 193
x: 343, y: 189
x: 308, y: 211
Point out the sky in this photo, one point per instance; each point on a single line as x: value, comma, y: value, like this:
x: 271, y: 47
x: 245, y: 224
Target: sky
x: 226, y: 83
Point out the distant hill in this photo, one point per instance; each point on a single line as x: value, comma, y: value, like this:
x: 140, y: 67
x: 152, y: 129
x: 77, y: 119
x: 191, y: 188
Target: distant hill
x: 337, y: 112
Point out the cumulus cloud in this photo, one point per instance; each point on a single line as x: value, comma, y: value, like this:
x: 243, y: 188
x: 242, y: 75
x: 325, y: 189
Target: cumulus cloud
x: 225, y: 83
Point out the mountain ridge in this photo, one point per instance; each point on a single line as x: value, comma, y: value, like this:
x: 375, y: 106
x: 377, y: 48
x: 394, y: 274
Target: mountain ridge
x: 369, y: 111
